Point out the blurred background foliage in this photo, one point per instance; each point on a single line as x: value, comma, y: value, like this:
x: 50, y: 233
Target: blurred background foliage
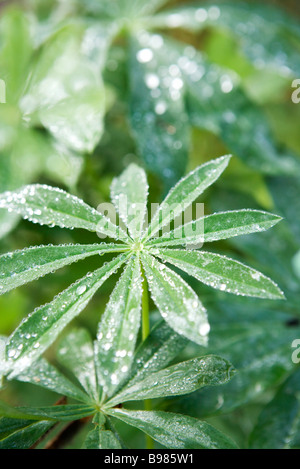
x: 92, y: 86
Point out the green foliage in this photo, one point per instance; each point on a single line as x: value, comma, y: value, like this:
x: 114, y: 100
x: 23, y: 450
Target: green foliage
x: 98, y: 94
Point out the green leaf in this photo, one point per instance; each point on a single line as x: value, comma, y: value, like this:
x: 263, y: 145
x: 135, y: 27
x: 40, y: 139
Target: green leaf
x: 275, y: 261
x: 279, y: 423
x: 42, y: 374
x: 21, y: 434
x: 261, y: 30
x: 161, y: 346
x: 174, y: 430
x: 141, y: 7
x: 52, y: 206
x: 258, y: 344
x: 218, y: 226
x: 65, y: 92
x: 129, y: 194
x: 60, y: 413
x: 118, y: 328
x: 39, y: 330
x: 185, y: 192
x: 3, y: 366
x: 179, y: 379
x: 222, y: 107
x: 286, y: 195
x: 157, y: 109
x: 223, y: 273
x: 15, y: 413
x: 23, y: 266
x: 101, y: 439
x: 76, y: 352
x: 15, y: 52
x: 178, y: 304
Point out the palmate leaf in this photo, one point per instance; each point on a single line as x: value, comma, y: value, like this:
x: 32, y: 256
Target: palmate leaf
x: 52, y: 206
x: 223, y: 273
x: 179, y: 379
x: 118, y: 328
x: 177, y: 302
x: 174, y: 430
x: 39, y: 330
x: 26, y: 265
x: 222, y: 225
x: 208, y: 88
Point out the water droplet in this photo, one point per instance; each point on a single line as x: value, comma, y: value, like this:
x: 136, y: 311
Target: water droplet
x: 80, y: 290
x: 144, y: 55
x: 204, y: 329
x: 152, y: 81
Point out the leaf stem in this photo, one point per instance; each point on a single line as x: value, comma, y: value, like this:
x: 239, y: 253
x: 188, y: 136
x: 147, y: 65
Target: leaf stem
x: 145, y: 333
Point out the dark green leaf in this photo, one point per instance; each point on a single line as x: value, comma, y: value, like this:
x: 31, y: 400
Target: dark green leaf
x: 182, y: 378
x: 178, y: 304
x: 39, y: 330
x: 76, y: 352
x: 223, y: 273
x: 52, y: 206
x: 26, y: 265
x: 118, y: 328
x: 218, y: 226
x: 42, y: 374
x: 174, y: 430
x: 278, y: 425
x: 156, y: 352
x: 157, y: 109
x: 21, y: 434
x: 185, y: 192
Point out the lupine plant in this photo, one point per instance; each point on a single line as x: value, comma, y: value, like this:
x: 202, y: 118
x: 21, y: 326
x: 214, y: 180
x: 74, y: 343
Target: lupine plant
x: 111, y: 371
x: 179, y: 340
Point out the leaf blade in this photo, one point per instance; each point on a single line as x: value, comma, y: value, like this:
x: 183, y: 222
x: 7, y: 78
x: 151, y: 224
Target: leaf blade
x: 76, y: 353
x: 223, y: 273
x: 185, y: 192
x: 26, y: 265
x: 179, y: 379
x: 129, y: 194
x: 52, y: 206
x: 35, y: 334
x: 43, y: 374
x: 21, y: 435
x: 178, y: 304
x: 118, y: 328
x: 163, y: 142
x: 174, y: 430
x: 220, y: 225
x: 161, y: 346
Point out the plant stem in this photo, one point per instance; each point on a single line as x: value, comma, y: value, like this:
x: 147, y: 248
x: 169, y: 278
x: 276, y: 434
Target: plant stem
x: 145, y: 333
